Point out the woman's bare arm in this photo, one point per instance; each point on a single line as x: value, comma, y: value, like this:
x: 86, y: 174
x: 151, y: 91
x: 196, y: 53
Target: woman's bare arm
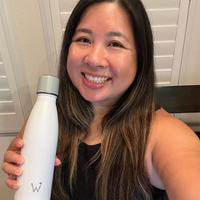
x: 176, y: 157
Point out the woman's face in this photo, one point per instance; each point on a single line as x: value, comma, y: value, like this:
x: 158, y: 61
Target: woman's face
x: 102, y: 59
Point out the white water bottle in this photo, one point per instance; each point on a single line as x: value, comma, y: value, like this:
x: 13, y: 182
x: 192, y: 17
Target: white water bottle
x: 40, y: 143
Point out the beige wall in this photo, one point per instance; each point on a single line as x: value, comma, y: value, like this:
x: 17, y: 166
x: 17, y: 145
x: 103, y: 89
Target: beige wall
x: 28, y: 23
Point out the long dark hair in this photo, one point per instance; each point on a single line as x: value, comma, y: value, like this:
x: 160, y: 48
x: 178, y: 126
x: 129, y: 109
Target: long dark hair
x: 125, y: 128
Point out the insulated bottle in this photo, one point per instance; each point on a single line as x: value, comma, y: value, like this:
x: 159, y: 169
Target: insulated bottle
x: 40, y: 143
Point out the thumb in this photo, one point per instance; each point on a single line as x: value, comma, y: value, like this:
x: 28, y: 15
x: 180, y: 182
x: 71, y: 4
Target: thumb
x: 57, y: 161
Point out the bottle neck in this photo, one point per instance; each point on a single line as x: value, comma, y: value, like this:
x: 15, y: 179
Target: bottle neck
x: 45, y: 96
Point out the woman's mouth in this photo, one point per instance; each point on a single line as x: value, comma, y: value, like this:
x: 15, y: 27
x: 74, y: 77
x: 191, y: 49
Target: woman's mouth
x: 94, y: 79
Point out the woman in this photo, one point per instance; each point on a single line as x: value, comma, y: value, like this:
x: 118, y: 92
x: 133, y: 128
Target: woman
x: 113, y: 142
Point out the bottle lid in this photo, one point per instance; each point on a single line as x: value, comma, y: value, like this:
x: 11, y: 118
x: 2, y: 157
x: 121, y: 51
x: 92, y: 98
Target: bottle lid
x: 48, y: 84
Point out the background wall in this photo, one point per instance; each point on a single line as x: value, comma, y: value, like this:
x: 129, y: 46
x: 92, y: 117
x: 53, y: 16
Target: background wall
x: 26, y: 15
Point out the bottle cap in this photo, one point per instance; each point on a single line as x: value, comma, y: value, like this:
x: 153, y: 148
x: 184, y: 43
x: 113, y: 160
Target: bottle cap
x: 48, y: 84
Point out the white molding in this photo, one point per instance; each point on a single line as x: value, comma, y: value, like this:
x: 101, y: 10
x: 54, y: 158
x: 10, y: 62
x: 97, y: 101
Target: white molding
x: 180, y: 37
x: 13, y: 121
x: 46, y: 15
x: 57, y: 25
x: 8, y: 134
x: 190, y: 40
x: 15, y: 57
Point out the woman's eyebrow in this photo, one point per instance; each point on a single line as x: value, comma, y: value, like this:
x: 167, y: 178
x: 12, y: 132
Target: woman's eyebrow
x: 84, y: 30
x: 118, y: 34
x: 110, y: 34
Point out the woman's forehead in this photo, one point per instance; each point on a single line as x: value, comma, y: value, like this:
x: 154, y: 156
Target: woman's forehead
x: 106, y: 16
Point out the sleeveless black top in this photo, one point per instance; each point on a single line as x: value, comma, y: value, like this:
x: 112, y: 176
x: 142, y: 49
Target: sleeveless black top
x: 86, y: 175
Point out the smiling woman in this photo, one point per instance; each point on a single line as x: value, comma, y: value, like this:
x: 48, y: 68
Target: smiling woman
x: 115, y: 142
x: 102, y: 48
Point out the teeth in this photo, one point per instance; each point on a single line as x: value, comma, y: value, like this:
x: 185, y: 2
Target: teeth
x: 96, y: 79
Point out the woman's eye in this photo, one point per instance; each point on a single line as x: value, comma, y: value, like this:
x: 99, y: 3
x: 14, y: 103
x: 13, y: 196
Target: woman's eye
x: 116, y: 44
x: 84, y: 40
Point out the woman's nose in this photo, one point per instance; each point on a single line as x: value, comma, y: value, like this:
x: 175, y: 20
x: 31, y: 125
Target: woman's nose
x: 96, y: 57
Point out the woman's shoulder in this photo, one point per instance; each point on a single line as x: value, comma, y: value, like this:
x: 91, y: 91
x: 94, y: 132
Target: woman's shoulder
x: 173, y: 155
x: 167, y: 128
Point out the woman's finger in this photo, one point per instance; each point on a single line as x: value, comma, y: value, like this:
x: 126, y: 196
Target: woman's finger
x: 11, y: 182
x: 19, y: 143
x: 13, y: 157
x: 57, y: 161
x: 11, y: 169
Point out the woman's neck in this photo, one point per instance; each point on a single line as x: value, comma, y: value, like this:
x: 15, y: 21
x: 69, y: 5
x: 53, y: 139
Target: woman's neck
x: 95, y: 136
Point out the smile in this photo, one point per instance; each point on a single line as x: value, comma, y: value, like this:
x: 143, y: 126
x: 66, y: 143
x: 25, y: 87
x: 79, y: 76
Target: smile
x: 96, y: 79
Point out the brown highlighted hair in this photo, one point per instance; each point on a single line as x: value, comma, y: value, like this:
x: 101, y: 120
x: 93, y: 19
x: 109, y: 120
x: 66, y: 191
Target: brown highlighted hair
x: 122, y: 171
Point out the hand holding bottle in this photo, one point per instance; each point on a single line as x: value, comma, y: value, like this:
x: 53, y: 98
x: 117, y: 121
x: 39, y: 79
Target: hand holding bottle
x: 12, y: 160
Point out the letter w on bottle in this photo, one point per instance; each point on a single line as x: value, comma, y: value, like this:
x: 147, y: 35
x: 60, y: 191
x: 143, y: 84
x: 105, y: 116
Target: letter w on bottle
x: 35, y: 188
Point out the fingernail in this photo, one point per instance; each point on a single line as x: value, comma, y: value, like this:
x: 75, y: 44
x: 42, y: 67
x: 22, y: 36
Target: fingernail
x: 18, y: 171
x: 20, y: 160
x: 16, y: 185
x: 20, y: 143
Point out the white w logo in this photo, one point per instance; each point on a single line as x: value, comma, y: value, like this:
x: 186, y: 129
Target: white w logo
x: 36, y: 189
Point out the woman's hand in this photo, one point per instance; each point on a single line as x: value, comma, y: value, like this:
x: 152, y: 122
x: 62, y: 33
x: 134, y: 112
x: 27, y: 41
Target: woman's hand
x: 12, y: 160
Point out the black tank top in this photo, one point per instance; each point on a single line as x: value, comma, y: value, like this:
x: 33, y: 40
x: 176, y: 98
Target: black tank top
x: 86, y: 175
